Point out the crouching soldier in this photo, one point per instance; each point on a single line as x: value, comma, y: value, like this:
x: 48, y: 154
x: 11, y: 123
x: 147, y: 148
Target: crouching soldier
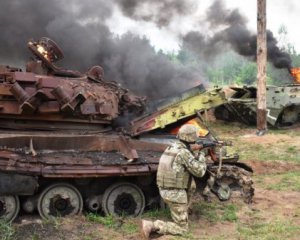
x: 175, y: 182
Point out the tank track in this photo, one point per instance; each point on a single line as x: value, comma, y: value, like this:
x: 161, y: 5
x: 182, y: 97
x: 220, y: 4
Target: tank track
x: 235, y: 177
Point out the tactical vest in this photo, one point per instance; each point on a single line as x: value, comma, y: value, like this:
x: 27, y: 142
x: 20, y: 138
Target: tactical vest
x: 166, y: 176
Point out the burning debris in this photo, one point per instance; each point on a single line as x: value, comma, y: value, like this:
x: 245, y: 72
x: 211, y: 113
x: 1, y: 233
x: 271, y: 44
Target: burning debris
x: 295, y: 72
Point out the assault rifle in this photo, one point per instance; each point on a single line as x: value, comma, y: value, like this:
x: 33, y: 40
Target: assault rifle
x: 210, y: 146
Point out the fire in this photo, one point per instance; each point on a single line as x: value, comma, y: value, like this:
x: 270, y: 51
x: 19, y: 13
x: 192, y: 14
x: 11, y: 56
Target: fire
x: 42, y: 51
x: 296, y: 74
x: 202, y: 131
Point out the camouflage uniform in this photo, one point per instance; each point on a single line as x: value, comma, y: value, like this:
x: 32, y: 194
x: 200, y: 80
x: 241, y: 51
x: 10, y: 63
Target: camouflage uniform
x: 176, y: 185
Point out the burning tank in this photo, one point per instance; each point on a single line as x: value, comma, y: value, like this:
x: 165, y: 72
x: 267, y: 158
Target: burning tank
x: 48, y: 93
x: 60, y: 149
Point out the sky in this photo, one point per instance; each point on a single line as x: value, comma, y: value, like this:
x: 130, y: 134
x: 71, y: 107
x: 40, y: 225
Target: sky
x: 279, y: 13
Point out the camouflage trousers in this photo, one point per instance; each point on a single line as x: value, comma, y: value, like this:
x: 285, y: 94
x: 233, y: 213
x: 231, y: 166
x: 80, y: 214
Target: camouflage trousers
x: 179, y: 214
x: 179, y: 201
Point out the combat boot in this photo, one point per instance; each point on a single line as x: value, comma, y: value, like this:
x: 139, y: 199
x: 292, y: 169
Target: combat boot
x: 146, y: 227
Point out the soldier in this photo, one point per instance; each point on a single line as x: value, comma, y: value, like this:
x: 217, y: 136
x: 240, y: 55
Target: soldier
x: 175, y: 182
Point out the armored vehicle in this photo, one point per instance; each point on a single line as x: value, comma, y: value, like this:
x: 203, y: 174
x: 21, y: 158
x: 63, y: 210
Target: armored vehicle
x: 283, y: 105
x: 61, y: 149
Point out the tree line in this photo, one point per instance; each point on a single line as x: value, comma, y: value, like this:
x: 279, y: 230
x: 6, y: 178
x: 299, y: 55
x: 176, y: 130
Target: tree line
x: 228, y: 68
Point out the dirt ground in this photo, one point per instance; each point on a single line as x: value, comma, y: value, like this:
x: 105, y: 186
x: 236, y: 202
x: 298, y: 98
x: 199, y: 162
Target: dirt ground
x: 274, y: 213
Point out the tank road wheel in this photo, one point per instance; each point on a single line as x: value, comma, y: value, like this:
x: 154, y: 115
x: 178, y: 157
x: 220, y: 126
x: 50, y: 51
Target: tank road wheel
x: 9, y: 207
x: 123, y: 198
x: 59, y: 200
x: 223, y: 192
x: 231, y: 178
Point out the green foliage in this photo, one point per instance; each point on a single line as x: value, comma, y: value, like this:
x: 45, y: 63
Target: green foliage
x: 247, y: 75
x: 158, y: 213
x: 173, y: 57
x: 7, y: 232
x: 130, y: 227
x: 230, y: 68
x: 292, y: 149
x: 108, y: 221
x: 186, y: 58
x: 229, y: 213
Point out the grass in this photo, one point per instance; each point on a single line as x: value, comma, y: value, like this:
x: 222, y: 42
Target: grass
x: 7, y: 232
x: 211, y: 212
x: 214, y: 212
x: 289, y: 181
x: 278, y: 151
x: 207, y: 211
x: 229, y: 213
x: 277, y: 229
x: 158, y: 214
x: 292, y: 150
x: 127, y: 226
x: 107, y: 221
x: 130, y: 227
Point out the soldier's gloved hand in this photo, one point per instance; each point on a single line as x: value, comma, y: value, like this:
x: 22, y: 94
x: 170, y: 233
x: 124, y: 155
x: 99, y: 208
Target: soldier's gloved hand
x: 196, y: 147
x: 201, y: 157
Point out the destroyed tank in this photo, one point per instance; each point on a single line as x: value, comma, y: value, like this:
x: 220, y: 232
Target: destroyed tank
x: 283, y: 103
x: 61, y: 151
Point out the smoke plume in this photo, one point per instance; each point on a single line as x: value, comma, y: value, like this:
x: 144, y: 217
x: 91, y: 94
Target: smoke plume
x: 159, y: 12
x: 234, y: 32
x: 79, y: 29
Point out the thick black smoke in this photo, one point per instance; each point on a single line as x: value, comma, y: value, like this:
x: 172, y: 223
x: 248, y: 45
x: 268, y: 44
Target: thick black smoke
x: 79, y: 28
x: 64, y: 21
x: 157, y: 11
x: 233, y: 31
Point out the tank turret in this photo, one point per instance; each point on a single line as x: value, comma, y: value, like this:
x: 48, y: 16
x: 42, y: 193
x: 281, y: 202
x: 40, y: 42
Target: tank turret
x: 46, y: 92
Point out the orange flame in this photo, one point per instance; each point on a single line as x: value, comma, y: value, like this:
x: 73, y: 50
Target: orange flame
x: 296, y: 74
x: 202, y: 131
x: 42, y: 51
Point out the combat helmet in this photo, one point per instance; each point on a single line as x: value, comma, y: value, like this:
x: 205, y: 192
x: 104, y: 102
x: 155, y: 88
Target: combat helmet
x: 188, y: 133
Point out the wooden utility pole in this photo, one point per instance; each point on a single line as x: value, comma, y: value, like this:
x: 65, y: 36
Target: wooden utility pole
x: 261, y: 67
